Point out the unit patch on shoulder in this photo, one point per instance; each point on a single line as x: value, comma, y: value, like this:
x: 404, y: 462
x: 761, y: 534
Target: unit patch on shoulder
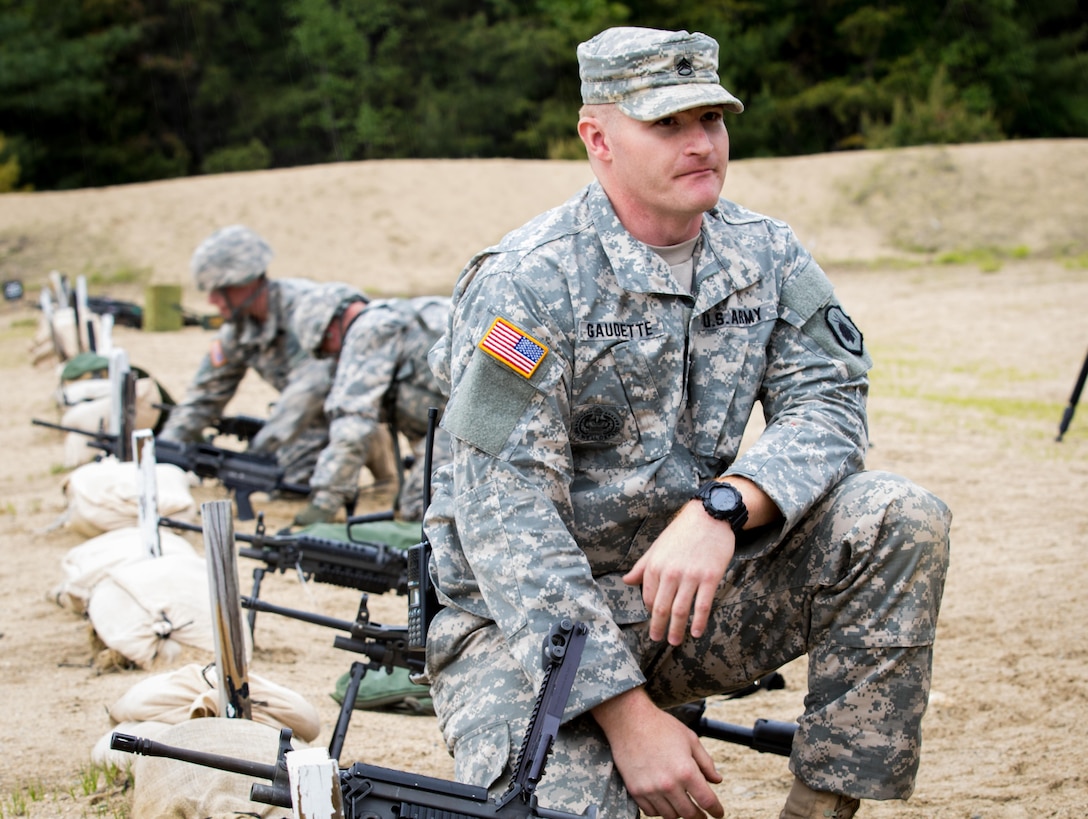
x: 216, y: 354
x: 844, y: 329
x: 513, y: 347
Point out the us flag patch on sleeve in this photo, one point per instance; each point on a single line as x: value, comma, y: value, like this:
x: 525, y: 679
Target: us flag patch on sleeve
x: 513, y: 347
x: 216, y: 354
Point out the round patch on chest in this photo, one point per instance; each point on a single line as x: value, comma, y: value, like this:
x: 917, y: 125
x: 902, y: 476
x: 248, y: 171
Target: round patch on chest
x: 596, y: 424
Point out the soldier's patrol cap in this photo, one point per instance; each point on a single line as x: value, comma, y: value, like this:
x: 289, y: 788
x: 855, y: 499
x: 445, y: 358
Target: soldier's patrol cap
x: 233, y: 255
x: 650, y: 73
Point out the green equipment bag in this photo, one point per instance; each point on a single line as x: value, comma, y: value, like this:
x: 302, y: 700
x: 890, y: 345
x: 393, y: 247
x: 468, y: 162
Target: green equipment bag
x: 399, y: 534
x: 383, y: 691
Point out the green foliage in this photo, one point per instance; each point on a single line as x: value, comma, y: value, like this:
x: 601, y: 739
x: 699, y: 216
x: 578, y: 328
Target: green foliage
x: 941, y: 118
x: 109, y: 92
x: 9, y: 169
x: 253, y: 156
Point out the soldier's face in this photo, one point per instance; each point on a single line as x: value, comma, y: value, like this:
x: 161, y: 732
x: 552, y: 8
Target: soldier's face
x: 332, y: 340
x: 675, y: 165
x: 237, y: 297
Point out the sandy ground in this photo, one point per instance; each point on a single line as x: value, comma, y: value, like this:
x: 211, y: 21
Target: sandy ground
x: 976, y: 361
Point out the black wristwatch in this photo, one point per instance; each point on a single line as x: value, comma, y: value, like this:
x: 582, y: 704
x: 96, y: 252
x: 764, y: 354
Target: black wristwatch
x: 723, y: 501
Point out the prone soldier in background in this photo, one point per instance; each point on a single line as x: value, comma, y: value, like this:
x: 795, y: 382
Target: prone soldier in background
x: 381, y: 377
x: 231, y: 266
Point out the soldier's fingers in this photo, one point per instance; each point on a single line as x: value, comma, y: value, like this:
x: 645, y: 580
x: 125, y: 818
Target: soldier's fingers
x: 678, y: 614
x: 704, y: 603
x: 661, y: 607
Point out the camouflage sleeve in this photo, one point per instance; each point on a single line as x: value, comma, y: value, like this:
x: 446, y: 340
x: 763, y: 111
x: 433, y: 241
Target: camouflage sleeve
x: 336, y: 477
x: 813, y: 395
x: 216, y: 380
x: 298, y: 405
x: 512, y: 475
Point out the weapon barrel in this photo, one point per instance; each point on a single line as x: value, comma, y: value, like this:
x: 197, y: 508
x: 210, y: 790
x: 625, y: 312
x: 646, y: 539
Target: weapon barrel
x: 146, y: 747
x: 256, y: 604
x: 766, y: 736
x: 63, y: 428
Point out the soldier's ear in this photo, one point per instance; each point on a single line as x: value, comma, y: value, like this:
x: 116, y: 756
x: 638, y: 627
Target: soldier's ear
x: 594, y: 137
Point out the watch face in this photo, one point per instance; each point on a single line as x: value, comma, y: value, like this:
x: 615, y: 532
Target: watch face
x: 724, y: 498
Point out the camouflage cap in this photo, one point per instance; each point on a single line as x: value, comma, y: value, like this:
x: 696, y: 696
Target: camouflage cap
x: 315, y: 310
x: 649, y: 73
x: 231, y: 256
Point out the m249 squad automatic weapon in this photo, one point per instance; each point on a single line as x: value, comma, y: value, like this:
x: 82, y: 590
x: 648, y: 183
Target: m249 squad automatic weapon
x: 366, y: 565
x: 243, y: 473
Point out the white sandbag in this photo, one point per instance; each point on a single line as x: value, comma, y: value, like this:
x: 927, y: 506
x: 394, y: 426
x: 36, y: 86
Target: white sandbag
x: 86, y: 564
x: 94, y: 414
x: 105, y: 495
x: 170, y: 789
x: 149, y: 611
x: 61, y: 332
x: 81, y: 391
x: 192, y: 692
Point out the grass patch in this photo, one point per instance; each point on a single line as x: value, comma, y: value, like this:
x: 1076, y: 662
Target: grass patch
x: 99, y: 790
x: 118, y: 276
x: 987, y: 259
x: 1077, y: 262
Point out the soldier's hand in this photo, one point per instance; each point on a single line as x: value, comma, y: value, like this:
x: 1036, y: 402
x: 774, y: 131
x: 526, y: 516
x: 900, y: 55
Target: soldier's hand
x: 663, y: 765
x: 681, y: 571
x: 314, y: 514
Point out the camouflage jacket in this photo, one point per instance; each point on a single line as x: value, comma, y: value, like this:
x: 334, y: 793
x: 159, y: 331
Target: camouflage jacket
x: 273, y: 352
x: 590, y: 396
x: 382, y: 376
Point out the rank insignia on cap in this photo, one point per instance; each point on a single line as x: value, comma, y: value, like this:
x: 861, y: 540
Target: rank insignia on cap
x: 216, y: 354
x: 513, y: 347
x: 844, y: 329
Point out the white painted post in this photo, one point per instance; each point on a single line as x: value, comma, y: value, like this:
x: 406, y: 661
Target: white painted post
x: 105, y: 334
x: 315, y: 784
x: 143, y: 448
x: 84, y: 326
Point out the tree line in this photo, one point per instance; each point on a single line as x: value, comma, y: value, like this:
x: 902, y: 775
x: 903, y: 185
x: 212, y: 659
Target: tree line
x: 102, y: 92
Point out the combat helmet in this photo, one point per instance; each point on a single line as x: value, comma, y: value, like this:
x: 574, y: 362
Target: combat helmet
x: 231, y: 256
x: 315, y: 310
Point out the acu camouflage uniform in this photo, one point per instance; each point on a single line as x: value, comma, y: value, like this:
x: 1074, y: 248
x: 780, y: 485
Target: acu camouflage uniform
x: 296, y: 430
x: 629, y: 393
x: 382, y: 377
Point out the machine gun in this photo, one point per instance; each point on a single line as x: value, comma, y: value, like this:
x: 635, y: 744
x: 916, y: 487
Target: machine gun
x: 366, y: 565
x: 241, y: 472
x: 382, y: 793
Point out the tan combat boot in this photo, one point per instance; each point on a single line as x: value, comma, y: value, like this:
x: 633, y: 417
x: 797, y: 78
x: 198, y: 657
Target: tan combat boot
x: 805, y: 803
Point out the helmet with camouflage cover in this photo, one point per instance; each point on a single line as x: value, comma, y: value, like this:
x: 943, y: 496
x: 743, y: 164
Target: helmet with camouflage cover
x: 315, y: 310
x: 231, y: 256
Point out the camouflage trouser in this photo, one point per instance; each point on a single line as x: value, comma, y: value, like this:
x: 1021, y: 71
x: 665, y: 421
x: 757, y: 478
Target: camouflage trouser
x: 857, y: 586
